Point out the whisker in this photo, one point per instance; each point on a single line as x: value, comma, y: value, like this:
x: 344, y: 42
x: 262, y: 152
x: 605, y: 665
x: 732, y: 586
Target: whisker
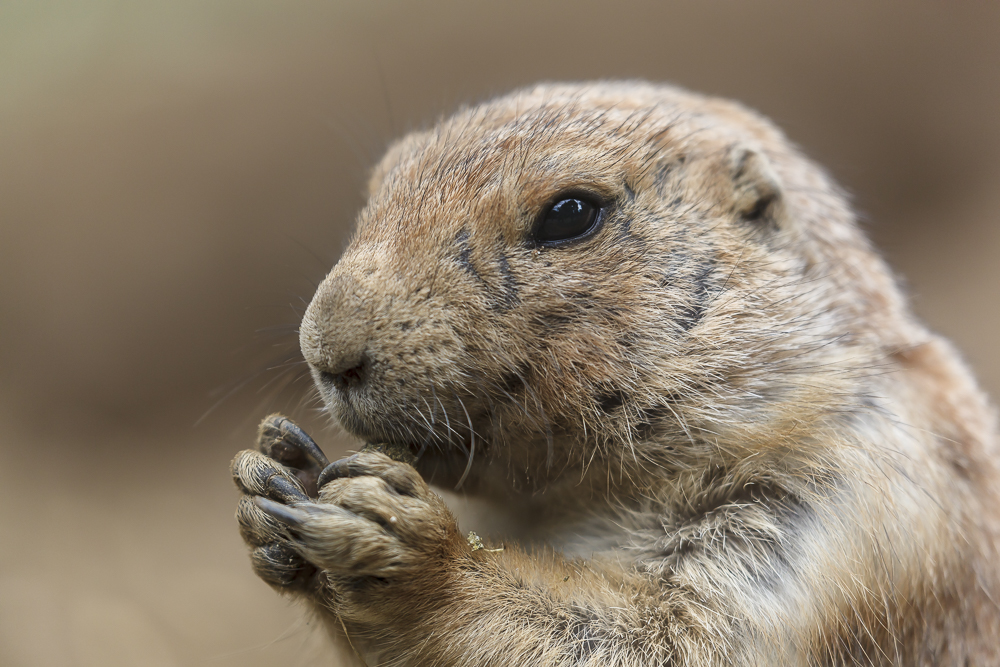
x: 430, y: 433
x: 472, y: 445
x: 444, y: 411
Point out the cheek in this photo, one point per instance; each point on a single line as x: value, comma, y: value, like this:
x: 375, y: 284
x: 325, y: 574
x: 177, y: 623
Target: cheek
x: 415, y: 352
x: 573, y: 328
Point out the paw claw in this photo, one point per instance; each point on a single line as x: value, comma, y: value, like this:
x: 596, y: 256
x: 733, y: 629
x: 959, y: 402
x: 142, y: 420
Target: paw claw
x: 284, y: 490
x: 257, y: 527
x: 287, y: 515
x: 281, y: 439
x: 336, y: 470
x: 257, y: 474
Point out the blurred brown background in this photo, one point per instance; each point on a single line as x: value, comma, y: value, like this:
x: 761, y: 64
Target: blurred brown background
x: 175, y: 178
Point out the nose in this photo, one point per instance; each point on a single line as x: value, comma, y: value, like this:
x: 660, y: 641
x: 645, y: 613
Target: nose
x: 335, y: 333
x: 346, y: 375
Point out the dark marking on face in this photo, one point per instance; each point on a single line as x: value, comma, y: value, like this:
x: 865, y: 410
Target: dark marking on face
x: 361, y: 585
x: 627, y: 341
x: 510, y: 383
x: 777, y: 569
x: 691, y: 313
x: 557, y: 323
x: 464, y: 258
x: 794, y: 515
x: 625, y: 229
x: 627, y: 238
x: 502, y: 297
x: 509, y: 287
x: 667, y: 174
x: 664, y: 177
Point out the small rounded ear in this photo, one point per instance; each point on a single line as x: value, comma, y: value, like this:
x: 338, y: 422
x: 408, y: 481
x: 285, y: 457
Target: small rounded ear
x: 756, y: 187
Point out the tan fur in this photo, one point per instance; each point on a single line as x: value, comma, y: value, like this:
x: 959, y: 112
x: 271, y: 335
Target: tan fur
x: 726, y: 439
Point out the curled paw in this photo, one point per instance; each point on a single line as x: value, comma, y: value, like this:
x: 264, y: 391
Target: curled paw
x: 375, y: 517
x: 364, y: 517
x: 272, y: 554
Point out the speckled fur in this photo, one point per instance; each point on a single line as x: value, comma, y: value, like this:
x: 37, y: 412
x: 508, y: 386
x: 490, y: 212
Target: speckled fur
x: 726, y: 439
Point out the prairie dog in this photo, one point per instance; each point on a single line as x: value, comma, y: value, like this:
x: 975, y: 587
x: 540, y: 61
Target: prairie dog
x: 640, y: 321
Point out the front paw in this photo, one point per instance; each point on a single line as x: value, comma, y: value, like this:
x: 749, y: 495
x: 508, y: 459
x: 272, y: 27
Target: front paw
x: 285, y: 468
x: 273, y: 556
x: 375, y: 518
x: 356, y: 535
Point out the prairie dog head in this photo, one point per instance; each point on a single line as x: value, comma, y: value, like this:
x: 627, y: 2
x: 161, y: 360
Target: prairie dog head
x: 592, y: 274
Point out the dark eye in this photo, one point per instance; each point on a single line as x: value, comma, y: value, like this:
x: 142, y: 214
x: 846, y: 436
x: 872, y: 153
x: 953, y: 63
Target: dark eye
x: 568, y: 218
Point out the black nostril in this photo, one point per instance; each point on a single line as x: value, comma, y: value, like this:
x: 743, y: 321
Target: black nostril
x: 353, y: 376
x: 350, y: 377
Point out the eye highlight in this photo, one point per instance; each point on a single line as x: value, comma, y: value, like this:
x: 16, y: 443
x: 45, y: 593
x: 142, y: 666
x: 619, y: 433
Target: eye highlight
x: 570, y: 217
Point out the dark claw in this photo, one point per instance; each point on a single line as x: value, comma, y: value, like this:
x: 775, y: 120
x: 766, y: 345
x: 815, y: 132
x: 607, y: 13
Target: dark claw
x: 255, y: 474
x: 257, y: 528
x: 282, y: 489
x: 283, y: 440
x: 287, y: 515
x: 336, y: 470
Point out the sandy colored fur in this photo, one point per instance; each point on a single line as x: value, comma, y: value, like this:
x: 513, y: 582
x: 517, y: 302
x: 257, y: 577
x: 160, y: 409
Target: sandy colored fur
x: 727, y: 437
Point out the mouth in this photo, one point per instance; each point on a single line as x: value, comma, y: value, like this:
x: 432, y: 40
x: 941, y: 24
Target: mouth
x: 435, y: 442
x: 378, y: 420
